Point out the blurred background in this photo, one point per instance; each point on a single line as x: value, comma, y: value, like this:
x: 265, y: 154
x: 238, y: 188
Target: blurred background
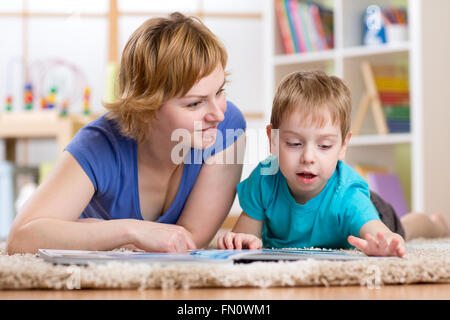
x: 59, y: 62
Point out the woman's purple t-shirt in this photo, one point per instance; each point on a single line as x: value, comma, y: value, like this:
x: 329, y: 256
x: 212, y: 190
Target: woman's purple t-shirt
x: 110, y: 161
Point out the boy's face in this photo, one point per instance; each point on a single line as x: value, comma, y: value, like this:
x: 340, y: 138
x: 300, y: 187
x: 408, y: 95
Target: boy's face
x: 307, y: 154
x: 198, y: 112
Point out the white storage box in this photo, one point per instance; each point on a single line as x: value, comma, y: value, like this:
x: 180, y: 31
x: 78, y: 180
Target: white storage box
x: 9, y: 176
x: 6, y: 198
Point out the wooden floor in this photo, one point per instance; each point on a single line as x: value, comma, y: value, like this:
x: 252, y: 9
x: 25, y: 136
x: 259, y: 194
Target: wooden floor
x: 403, y: 292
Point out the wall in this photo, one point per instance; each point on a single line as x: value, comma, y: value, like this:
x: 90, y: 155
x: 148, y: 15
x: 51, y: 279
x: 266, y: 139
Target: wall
x: 436, y: 105
x: 78, y: 33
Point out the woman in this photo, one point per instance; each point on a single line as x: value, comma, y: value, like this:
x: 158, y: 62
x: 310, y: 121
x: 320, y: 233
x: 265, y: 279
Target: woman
x: 120, y: 183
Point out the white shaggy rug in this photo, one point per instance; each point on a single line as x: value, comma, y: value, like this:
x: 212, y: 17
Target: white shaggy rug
x: 426, y: 261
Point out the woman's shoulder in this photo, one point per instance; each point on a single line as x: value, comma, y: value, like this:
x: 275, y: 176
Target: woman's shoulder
x: 103, y: 123
x: 100, y: 138
x: 100, y: 149
x: 101, y: 130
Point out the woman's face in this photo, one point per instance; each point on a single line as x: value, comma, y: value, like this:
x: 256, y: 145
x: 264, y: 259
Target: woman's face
x: 197, y: 113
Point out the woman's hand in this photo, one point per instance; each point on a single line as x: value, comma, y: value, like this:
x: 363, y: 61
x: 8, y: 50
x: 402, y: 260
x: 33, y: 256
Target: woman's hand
x: 161, y: 237
x: 231, y: 240
x: 388, y: 244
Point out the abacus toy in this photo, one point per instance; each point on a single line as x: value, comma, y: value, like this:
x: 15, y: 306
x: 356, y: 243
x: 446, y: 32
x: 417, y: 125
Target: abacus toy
x: 64, y: 106
x: 86, y: 98
x: 43, y: 103
x: 8, y: 103
x: 50, y: 101
x: 55, y: 83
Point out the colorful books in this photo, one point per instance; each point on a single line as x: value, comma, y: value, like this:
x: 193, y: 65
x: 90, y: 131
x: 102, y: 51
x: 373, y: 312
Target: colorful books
x: 304, y: 26
x: 321, y: 38
x: 394, y: 98
x: 298, y: 25
x: 290, y: 17
x: 304, y: 18
x: 283, y: 23
x: 327, y: 17
x: 392, y: 84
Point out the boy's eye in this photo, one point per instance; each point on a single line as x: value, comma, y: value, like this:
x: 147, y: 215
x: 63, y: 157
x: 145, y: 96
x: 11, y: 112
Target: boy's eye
x: 293, y: 144
x: 324, y: 146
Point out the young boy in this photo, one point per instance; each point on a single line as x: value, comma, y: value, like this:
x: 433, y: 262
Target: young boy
x: 314, y: 199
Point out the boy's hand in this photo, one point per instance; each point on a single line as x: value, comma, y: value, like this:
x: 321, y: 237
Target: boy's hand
x: 383, y: 245
x: 231, y: 240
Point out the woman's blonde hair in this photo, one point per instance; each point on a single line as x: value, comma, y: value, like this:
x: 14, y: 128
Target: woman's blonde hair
x: 316, y: 96
x: 162, y: 59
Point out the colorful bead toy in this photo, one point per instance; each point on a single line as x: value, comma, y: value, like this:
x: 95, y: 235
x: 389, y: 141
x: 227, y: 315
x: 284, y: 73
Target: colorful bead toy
x: 86, y: 98
x: 28, y: 96
x: 8, y: 103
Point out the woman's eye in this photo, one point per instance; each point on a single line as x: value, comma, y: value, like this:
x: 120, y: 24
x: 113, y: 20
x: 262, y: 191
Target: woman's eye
x: 194, y: 104
x: 220, y: 92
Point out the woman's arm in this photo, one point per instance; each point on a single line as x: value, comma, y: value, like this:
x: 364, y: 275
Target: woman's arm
x: 213, y: 194
x: 49, y: 219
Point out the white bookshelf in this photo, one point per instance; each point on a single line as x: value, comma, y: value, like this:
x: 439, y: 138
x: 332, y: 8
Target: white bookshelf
x: 344, y: 61
x: 380, y: 139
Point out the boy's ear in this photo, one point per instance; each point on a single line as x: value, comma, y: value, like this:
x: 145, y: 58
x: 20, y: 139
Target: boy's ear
x: 272, y: 134
x: 344, y: 146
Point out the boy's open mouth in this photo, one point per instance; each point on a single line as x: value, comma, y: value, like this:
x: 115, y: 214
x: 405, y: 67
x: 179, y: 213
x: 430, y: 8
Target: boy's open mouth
x: 306, y: 177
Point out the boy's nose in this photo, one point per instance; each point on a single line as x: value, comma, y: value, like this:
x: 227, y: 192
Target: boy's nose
x: 307, y: 156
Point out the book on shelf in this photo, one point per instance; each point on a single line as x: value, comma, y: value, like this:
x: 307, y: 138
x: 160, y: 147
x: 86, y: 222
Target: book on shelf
x: 285, y: 29
x: 397, y: 117
x: 316, y: 42
x: 392, y: 15
x: 304, y: 26
x: 392, y: 82
x: 327, y: 18
x: 315, y: 14
x: 304, y: 18
x: 290, y: 17
x: 394, y: 98
x: 298, y: 25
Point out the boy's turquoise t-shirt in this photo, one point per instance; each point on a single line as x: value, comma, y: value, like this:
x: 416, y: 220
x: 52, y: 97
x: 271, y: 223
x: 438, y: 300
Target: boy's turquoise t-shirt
x: 325, y: 221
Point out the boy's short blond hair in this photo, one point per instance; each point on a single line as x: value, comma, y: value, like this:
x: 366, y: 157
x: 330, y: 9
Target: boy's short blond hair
x: 162, y: 59
x: 315, y: 95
